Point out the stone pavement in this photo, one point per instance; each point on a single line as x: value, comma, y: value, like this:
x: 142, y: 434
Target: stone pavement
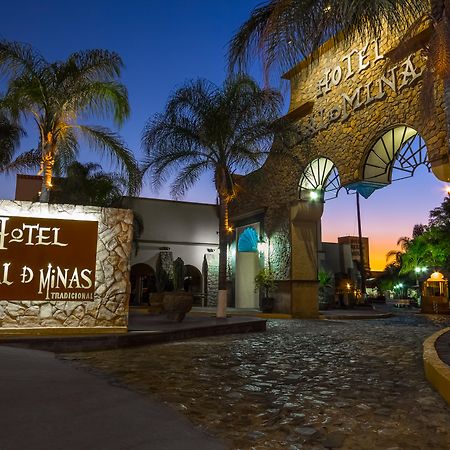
x: 353, y: 385
x: 49, y: 405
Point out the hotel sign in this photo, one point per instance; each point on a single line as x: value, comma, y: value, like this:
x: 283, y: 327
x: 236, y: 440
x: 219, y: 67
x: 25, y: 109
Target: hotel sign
x: 375, y: 89
x: 47, y: 259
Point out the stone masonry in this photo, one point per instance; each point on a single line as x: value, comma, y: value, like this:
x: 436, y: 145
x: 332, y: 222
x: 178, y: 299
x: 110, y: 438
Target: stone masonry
x: 341, y: 103
x: 109, y: 309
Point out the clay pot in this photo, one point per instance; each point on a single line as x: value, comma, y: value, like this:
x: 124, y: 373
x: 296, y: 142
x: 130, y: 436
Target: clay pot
x: 177, y: 304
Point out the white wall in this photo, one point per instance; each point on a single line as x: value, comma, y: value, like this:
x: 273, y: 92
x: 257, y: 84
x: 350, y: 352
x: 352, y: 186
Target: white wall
x: 188, y: 229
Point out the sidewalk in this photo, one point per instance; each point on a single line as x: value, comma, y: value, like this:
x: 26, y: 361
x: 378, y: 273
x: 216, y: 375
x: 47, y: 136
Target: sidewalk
x: 48, y: 404
x: 143, y: 329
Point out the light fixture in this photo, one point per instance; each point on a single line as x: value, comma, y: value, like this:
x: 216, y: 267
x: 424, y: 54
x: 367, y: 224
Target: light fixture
x: 313, y: 195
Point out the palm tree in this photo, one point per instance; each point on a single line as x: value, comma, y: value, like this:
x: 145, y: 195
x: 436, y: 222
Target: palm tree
x: 209, y: 128
x: 287, y: 31
x: 87, y: 184
x: 396, y: 256
x: 56, y: 95
x: 9, y: 139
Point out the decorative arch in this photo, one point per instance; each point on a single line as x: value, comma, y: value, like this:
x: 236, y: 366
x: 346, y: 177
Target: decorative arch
x: 396, y: 155
x: 248, y: 240
x: 320, y: 175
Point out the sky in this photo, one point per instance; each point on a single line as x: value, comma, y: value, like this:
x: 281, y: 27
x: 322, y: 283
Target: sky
x: 165, y: 43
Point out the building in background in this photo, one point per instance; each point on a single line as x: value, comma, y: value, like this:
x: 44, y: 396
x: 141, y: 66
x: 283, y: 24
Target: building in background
x: 172, y: 231
x: 353, y: 241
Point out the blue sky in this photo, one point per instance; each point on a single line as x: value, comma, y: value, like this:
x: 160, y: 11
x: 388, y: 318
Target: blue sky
x: 165, y: 43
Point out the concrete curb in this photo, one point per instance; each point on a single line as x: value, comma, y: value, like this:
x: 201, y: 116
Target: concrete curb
x: 355, y: 317
x: 436, y: 371
x: 82, y: 343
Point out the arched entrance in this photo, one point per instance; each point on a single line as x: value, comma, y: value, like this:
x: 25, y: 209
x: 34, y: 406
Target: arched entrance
x: 247, y: 266
x: 193, y: 280
x: 143, y: 282
x: 334, y: 120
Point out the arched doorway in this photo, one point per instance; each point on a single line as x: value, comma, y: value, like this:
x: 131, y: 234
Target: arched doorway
x: 193, y: 280
x: 143, y: 282
x: 247, y: 266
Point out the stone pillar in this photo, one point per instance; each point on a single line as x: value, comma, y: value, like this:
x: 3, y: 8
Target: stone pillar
x: 211, y: 274
x: 305, y: 240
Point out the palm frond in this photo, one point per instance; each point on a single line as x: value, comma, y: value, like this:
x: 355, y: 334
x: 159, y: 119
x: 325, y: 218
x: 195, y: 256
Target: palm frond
x: 10, y: 135
x: 286, y: 31
x: 17, y: 58
x: 29, y: 160
x: 205, y: 127
x: 110, y: 143
x: 94, y: 65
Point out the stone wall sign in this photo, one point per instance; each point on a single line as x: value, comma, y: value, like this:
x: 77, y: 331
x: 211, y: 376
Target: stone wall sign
x: 47, y: 259
x: 64, y: 268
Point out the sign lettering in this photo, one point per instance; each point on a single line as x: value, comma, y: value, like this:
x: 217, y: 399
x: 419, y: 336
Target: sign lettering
x: 47, y: 259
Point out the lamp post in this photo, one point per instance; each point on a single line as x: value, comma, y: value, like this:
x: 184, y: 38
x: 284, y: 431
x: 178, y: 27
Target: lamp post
x: 361, y: 251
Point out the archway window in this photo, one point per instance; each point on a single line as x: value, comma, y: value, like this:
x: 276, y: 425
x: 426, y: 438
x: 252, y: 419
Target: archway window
x: 321, y: 174
x: 248, y: 240
x: 396, y: 155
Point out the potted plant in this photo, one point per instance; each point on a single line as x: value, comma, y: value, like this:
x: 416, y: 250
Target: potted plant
x: 325, y: 283
x: 265, y: 282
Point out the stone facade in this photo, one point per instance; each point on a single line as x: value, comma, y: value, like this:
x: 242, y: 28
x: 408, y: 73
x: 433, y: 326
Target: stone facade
x: 341, y: 104
x: 109, y: 309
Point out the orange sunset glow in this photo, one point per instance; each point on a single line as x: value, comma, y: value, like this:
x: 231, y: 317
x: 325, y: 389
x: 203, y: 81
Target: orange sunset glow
x: 387, y: 215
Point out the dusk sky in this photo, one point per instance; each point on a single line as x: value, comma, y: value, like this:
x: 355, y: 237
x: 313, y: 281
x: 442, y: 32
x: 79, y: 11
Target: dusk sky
x: 165, y: 43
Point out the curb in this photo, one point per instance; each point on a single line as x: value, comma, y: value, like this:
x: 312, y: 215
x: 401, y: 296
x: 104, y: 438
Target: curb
x: 84, y: 343
x: 436, y: 371
x: 355, y: 317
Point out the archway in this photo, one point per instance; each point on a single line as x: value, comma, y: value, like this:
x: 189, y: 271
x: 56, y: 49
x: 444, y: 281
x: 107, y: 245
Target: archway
x: 247, y: 266
x: 143, y: 282
x: 395, y: 155
x: 195, y: 278
x: 319, y: 179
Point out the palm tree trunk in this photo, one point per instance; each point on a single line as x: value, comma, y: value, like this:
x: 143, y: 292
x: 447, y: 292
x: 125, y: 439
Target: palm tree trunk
x: 223, y: 244
x: 47, y: 163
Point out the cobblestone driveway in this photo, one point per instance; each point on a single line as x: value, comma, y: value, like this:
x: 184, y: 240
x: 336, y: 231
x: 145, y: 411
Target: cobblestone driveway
x: 301, y: 385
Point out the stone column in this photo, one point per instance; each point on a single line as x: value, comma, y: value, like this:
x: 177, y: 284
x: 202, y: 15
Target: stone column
x: 305, y: 240
x: 211, y: 273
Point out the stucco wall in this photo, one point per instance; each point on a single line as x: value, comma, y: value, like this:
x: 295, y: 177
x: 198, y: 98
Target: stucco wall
x: 109, y: 309
x: 188, y: 229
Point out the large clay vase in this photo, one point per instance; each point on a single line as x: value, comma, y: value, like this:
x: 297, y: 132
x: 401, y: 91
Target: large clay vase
x: 177, y: 304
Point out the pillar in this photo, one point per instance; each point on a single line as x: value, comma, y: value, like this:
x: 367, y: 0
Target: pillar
x: 305, y: 237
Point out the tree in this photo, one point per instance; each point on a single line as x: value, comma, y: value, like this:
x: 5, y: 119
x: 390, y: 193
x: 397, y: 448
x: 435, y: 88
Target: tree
x: 9, y: 139
x: 440, y: 216
x: 56, y: 95
x: 283, y: 32
x: 209, y: 128
x: 396, y: 256
x: 87, y: 184
x: 429, y: 245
